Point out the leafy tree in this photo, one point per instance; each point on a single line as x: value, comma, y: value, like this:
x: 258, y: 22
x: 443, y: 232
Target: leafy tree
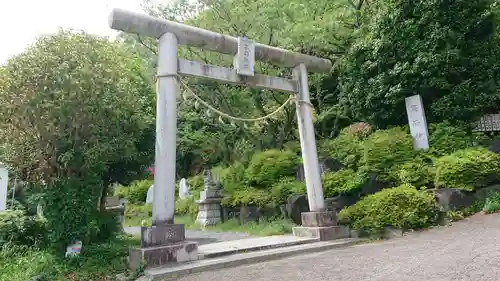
x: 322, y: 28
x: 443, y: 50
x: 74, y: 108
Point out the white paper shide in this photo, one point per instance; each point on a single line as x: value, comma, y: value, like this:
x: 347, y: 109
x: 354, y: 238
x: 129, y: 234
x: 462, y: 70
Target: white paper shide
x: 417, y: 122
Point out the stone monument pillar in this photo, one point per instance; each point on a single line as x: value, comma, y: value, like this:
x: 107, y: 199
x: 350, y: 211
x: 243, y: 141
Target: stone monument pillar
x: 209, y: 208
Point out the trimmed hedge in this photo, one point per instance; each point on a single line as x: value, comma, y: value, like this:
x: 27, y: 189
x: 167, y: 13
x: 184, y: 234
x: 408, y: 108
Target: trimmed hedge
x: 285, y: 188
x: 385, y: 149
x: 467, y: 169
x: 343, y: 182
x: 267, y: 167
x: 418, y: 173
x: 401, y: 207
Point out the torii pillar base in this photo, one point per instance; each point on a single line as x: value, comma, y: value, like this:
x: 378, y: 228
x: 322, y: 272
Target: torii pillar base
x: 322, y: 225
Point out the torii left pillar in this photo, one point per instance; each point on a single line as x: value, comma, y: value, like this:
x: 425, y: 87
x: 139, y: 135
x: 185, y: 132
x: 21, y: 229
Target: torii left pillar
x: 165, y: 242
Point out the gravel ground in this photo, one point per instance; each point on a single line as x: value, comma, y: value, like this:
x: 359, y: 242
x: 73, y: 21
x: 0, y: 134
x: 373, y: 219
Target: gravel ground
x: 202, y: 237
x: 467, y: 251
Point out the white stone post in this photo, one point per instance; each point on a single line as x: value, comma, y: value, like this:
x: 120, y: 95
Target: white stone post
x: 308, y: 142
x: 4, y: 181
x: 166, y: 131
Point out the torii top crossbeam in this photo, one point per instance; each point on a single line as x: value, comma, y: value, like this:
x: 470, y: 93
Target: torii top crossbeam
x: 188, y: 35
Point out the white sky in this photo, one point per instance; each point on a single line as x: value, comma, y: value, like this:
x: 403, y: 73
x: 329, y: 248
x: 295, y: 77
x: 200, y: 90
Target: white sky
x: 22, y: 21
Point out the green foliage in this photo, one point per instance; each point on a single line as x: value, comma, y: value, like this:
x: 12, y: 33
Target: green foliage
x: 445, y: 51
x: 401, y: 207
x: 492, y: 204
x: 69, y: 206
x: 285, y: 188
x: 233, y: 177
x: 346, y: 148
x: 445, y: 138
x: 104, y: 225
x: 385, y: 149
x: 134, y: 214
x: 82, y: 105
x: 269, y: 166
x: 247, y: 197
x: 196, y: 184
x: 467, y: 169
x: 418, y: 173
x: 99, y: 261
x: 16, y: 228
x: 343, y: 182
x: 137, y: 191
x: 186, y: 206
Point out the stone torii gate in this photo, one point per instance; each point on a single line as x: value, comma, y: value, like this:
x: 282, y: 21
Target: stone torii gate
x: 164, y: 242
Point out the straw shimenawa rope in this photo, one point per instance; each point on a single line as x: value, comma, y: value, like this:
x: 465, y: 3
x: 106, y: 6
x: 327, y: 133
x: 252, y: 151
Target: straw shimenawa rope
x: 291, y: 99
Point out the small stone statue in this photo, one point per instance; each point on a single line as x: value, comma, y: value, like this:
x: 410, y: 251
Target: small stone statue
x: 207, y: 179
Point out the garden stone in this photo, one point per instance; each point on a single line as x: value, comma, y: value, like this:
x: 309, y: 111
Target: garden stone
x: 249, y: 214
x: 483, y: 193
x: 450, y: 199
x: 339, y: 202
x: 390, y: 232
x: 495, y: 146
x: 296, y: 205
x: 183, y: 189
x: 325, y: 165
x: 372, y: 185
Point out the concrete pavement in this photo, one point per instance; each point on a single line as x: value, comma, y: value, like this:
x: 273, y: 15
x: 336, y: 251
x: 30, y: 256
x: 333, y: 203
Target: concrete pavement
x: 466, y: 251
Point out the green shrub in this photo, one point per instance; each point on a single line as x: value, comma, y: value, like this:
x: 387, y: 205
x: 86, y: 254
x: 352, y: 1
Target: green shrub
x: 360, y: 130
x: 186, y: 206
x: 248, y: 197
x: 270, y: 166
x: 134, y: 214
x: 19, y: 229
x: 138, y: 191
x: 104, y: 226
x: 492, y: 204
x: 343, y: 182
x: 196, y: 184
x: 345, y: 148
x: 233, y: 177
x: 445, y: 138
x: 286, y: 187
x: 467, y: 169
x: 418, y: 173
x: 385, y: 149
x: 401, y: 207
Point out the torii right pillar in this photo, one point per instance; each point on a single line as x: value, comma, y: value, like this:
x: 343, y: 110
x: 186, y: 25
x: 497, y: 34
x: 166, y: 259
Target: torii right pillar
x: 318, y: 222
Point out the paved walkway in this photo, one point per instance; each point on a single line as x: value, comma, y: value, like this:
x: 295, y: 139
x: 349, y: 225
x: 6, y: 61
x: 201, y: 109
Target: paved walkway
x: 467, y: 251
x: 202, y: 237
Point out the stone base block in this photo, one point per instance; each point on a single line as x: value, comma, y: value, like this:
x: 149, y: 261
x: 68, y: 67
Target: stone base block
x: 161, y: 235
x: 209, y: 213
x: 152, y: 257
x: 323, y: 233
x: 319, y: 219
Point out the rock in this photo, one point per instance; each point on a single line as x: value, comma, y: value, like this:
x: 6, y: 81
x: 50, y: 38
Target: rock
x: 390, y: 232
x: 372, y: 185
x: 482, y: 194
x: 296, y: 205
x: 249, y: 213
x: 495, y: 146
x: 325, y: 165
x: 450, y: 199
x: 339, y: 202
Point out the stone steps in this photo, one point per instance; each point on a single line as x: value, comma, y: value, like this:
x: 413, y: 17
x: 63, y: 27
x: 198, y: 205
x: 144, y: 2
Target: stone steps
x: 226, y: 248
x: 245, y: 251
